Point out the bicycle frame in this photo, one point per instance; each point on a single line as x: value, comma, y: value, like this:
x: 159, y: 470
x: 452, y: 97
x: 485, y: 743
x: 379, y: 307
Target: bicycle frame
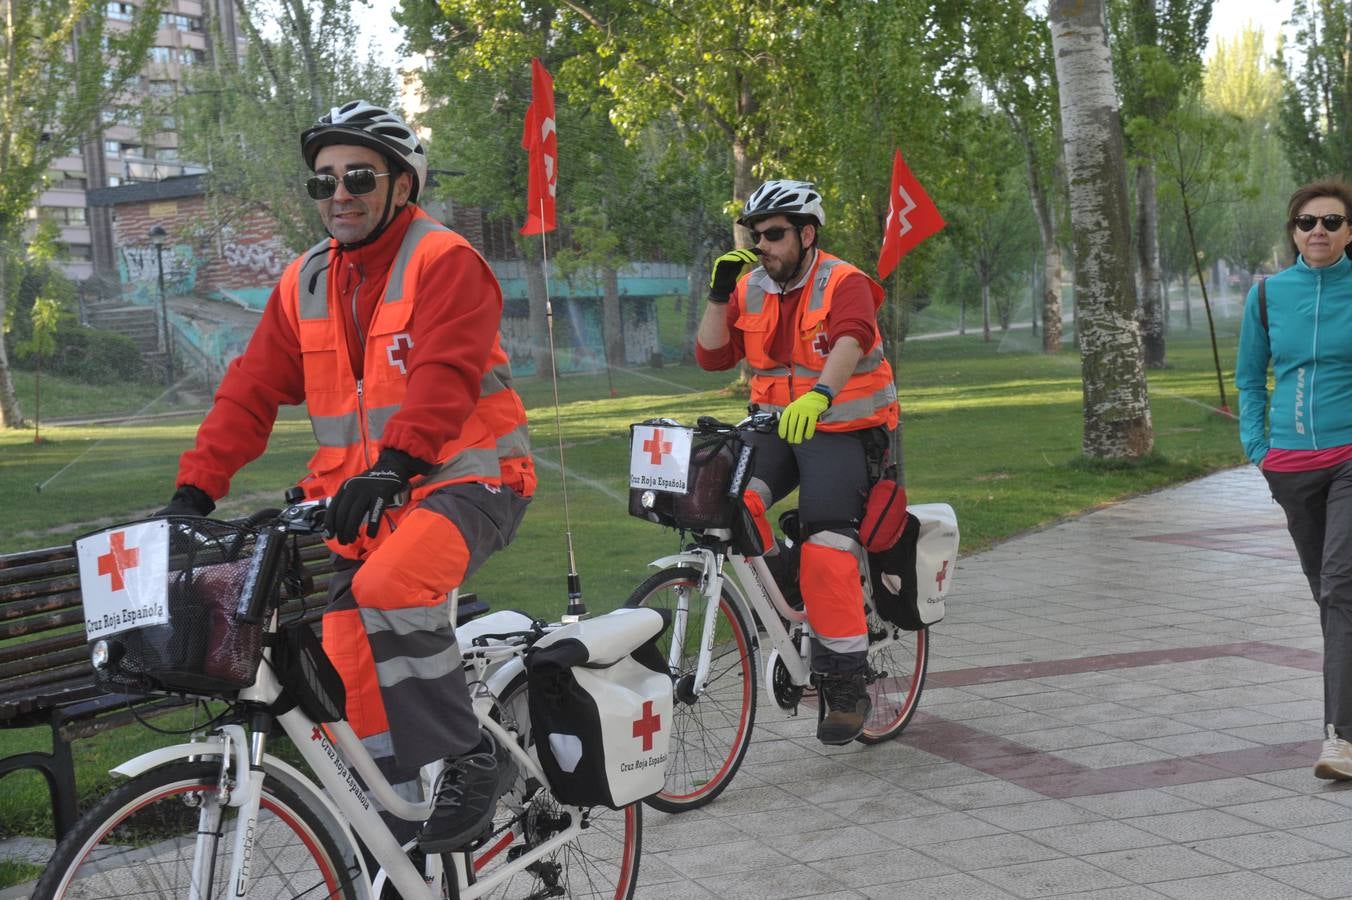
x: 754, y: 589
x: 334, y: 753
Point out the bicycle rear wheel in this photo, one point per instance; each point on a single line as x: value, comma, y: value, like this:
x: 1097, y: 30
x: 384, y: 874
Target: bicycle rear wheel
x: 601, y: 862
x: 897, y: 663
x: 140, y: 841
x: 710, y: 732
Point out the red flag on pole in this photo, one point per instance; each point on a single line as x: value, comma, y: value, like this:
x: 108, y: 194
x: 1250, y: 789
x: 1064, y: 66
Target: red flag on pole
x: 911, y: 217
x: 541, y: 141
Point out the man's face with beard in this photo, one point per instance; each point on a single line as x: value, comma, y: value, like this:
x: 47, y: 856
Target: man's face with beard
x: 780, y: 244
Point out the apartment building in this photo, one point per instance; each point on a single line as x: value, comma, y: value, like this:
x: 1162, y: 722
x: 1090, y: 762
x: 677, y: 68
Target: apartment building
x: 137, y: 140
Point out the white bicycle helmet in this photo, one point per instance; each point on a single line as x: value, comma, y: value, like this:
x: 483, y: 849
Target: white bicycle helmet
x: 368, y: 125
x: 784, y: 197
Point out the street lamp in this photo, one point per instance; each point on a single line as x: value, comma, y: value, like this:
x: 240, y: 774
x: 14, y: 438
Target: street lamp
x: 157, y: 237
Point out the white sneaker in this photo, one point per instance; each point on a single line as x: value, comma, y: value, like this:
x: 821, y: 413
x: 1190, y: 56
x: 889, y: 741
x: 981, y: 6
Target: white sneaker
x: 1335, y: 760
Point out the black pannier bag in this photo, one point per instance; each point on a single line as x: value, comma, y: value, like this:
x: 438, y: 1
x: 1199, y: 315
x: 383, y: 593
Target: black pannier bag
x: 310, y: 677
x: 910, y: 579
x: 600, y: 703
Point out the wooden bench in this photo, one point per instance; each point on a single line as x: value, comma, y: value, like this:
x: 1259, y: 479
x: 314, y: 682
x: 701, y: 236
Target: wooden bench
x: 45, y: 675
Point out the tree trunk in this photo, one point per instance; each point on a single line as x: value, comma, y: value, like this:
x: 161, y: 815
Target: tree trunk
x: 694, y: 308
x: 1117, y: 422
x: 612, y: 328
x: 985, y: 311
x: 1045, y: 212
x: 11, y: 416
x: 1148, y: 249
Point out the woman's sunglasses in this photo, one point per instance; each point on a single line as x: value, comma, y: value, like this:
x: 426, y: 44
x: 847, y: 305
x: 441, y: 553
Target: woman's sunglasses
x: 357, y: 181
x: 1331, y: 222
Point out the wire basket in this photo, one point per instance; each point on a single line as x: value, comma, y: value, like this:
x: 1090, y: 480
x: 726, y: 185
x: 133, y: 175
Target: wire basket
x: 206, y: 648
x: 718, y: 472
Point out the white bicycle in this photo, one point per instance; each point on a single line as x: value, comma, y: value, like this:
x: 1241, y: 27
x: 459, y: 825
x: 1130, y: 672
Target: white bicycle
x: 724, y: 604
x: 221, y: 816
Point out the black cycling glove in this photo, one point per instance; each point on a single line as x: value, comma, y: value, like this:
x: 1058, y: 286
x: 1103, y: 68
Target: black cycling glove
x: 364, y: 498
x: 188, y: 500
x: 727, y: 269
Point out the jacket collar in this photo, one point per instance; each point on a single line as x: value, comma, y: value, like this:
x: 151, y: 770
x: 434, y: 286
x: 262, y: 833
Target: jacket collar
x: 761, y: 278
x: 1337, y: 270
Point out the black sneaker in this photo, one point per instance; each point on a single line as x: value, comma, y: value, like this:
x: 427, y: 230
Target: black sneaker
x: 843, y: 706
x: 467, y: 796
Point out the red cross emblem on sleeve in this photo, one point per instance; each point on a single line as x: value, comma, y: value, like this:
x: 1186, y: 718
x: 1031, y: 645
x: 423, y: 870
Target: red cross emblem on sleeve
x: 821, y: 343
x: 941, y: 575
x: 656, y: 447
x: 647, y: 725
x: 397, y: 351
x: 118, y: 559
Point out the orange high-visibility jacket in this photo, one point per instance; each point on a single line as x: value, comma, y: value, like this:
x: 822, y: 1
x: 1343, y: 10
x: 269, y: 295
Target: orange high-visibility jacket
x: 348, y: 415
x: 869, y: 397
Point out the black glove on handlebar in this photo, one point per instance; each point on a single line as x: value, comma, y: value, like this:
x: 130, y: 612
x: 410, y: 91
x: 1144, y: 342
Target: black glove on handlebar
x: 364, y: 498
x: 188, y: 500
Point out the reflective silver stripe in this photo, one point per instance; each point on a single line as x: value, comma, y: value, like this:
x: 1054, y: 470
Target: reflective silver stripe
x: 753, y: 299
x: 476, y: 463
x: 407, y: 620
x: 401, y: 668
x: 417, y: 230
x: 818, y: 295
x: 844, y: 644
x: 867, y: 363
x: 863, y: 407
x: 514, y: 443
x: 377, y: 417
x: 336, y: 431
x: 495, y: 380
x: 837, y: 541
x: 776, y: 372
x: 313, y: 282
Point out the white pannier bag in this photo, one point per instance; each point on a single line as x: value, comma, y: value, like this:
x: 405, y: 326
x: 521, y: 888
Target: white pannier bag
x: 911, y: 579
x: 600, y: 708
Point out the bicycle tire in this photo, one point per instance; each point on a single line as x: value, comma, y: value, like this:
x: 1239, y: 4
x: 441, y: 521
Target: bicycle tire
x: 139, y: 841
x: 709, y: 733
x: 897, y: 663
x: 587, y: 866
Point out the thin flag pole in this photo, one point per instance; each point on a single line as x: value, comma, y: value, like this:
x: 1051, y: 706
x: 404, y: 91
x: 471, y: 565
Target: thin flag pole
x: 577, y: 609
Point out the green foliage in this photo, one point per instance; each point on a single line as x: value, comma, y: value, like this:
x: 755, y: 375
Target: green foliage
x: 1316, y: 119
x: 245, y: 115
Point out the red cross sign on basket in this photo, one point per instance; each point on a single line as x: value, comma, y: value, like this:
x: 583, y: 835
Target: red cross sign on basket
x: 659, y: 457
x: 124, y: 577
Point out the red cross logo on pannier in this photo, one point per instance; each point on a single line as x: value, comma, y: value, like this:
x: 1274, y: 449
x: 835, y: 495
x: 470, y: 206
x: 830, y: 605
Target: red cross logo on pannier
x: 647, y: 725
x: 118, y: 559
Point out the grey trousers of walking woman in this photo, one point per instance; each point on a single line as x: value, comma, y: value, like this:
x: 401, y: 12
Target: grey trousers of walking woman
x: 1318, y: 507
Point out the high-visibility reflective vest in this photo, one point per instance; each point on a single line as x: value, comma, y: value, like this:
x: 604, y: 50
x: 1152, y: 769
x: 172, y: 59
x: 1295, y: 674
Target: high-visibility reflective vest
x: 869, y: 397
x: 348, y: 415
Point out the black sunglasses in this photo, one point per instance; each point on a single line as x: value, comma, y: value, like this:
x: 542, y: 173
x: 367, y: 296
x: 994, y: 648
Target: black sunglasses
x: 357, y: 181
x: 1332, y: 222
x: 770, y: 234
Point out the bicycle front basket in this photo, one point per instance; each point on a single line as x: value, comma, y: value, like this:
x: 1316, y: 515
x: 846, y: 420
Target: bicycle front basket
x: 180, y: 630
x: 718, y: 469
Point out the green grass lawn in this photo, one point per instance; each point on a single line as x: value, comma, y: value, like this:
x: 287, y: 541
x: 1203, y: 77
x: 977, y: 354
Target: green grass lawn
x: 992, y: 428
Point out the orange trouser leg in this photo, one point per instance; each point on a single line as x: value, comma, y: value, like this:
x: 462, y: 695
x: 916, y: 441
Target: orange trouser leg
x: 834, y: 597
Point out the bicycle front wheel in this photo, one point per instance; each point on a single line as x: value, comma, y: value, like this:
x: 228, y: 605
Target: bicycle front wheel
x: 711, y: 731
x: 601, y: 862
x: 897, y: 663
x: 149, y: 836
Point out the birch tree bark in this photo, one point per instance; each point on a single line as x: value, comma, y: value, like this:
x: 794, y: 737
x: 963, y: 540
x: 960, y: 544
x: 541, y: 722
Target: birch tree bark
x: 1148, y: 247
x: 1117, y: 422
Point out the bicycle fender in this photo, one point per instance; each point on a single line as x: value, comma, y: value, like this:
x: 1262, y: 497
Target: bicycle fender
x: 500, y: 679
x: 695, y: 560
x: 152, y: 759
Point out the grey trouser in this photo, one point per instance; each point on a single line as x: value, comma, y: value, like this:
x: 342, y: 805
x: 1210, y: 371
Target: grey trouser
x: 1318, y: 508
x: 831, y: 474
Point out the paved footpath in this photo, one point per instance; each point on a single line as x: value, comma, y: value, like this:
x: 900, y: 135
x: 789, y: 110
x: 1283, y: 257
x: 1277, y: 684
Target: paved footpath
x: 1122, y: 706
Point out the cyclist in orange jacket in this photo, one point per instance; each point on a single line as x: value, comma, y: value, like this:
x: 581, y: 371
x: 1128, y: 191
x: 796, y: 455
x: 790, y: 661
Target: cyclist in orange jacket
x: 806, y: 324
x: 388, y: 332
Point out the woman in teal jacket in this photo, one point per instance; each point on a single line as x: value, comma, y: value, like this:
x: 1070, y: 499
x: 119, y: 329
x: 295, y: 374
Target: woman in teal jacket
x: 1302, y: 438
